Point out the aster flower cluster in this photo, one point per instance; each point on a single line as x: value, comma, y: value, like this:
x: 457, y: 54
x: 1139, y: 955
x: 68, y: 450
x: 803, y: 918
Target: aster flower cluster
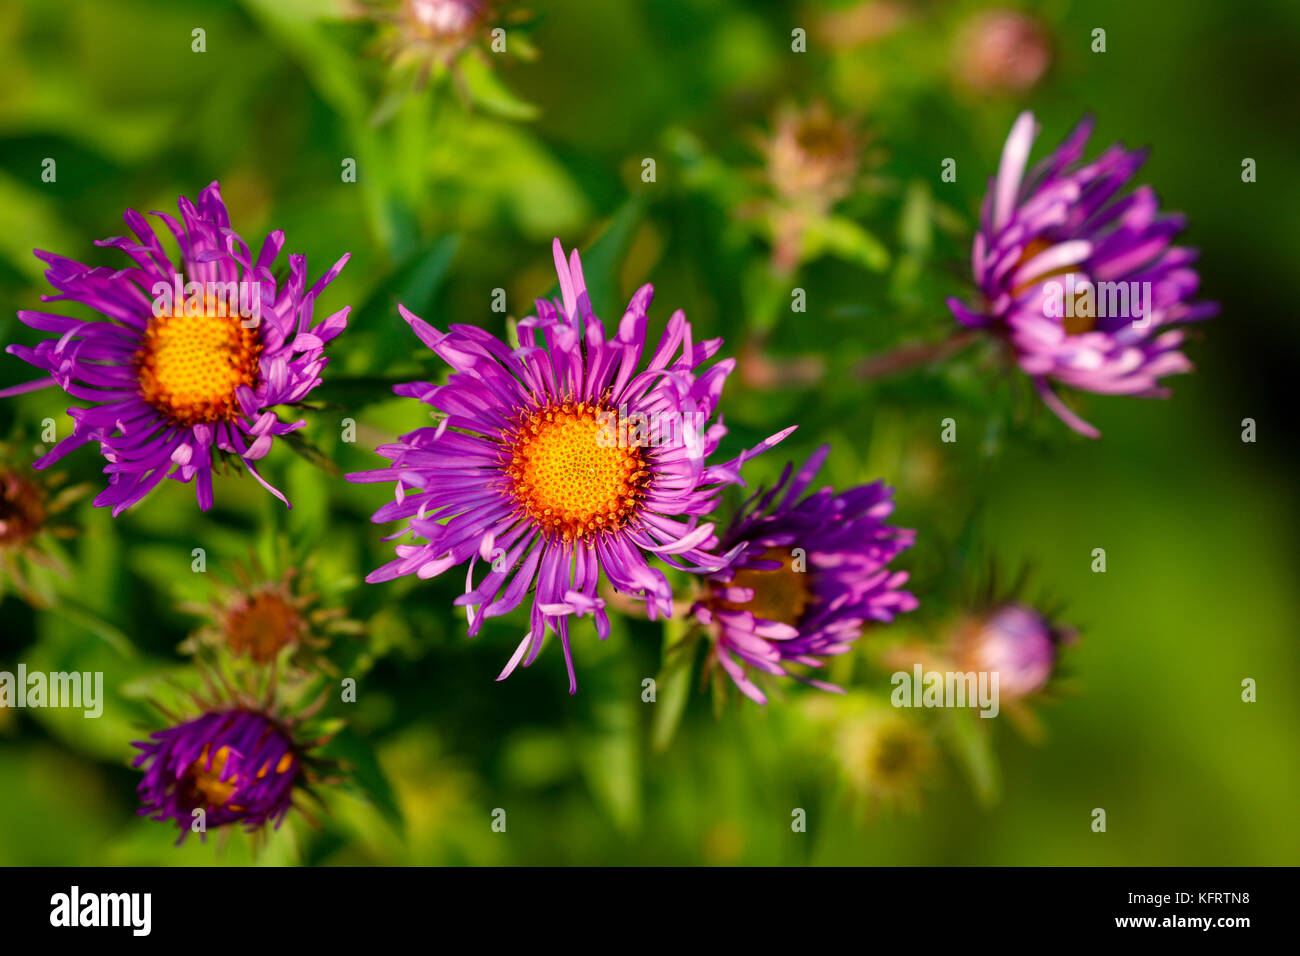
x: 575, y: 463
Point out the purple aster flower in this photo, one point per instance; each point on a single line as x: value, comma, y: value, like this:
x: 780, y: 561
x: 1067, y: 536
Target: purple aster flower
x: 560, y: 460
x: 803, y: 577
x: 1084, y: 285
x: 1015, y: 642
x: 238, y: 766
x: 190, y: 360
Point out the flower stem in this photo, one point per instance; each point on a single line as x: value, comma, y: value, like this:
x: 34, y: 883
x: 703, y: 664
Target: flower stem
x: 908, y: 357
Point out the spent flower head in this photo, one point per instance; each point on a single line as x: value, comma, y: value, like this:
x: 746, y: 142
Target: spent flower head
x: 33, y: 518
x: 260, y: 617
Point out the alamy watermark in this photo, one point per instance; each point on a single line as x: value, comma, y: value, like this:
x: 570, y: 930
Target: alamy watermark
x: 133, y: 911
x: 1081, y: 298
x: 946, y: 689
x: 78, y: 689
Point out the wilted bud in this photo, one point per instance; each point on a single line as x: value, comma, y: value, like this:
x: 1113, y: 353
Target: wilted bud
x: 861, y: 24
x: 887, y: 760
x: 428, y: 32
x: 256, y: 617
x: 812, y: 157
x: 1002, y: 51
x: 33, y: 511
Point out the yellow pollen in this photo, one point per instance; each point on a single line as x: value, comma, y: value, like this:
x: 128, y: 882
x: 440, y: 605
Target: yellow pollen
x: 207, y: 781
x: 190, y: 366
x: 781, y: 594
x: 568, y: 474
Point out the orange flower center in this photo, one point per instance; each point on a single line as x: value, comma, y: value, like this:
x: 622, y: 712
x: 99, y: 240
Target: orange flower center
x: 190, y: 366
x: 262, y: 625
x: 206, y: 785
x: 780, y: 594
x: 568, y: 473
x: 206, y: 779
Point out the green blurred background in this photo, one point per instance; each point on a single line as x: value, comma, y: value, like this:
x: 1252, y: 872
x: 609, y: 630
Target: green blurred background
x: 461, y: 186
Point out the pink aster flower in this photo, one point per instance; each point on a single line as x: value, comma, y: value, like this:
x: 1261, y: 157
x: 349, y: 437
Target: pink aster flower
x: 803, y: 577
x: 559, y: 461
x: 190, y: 359
x: 1084, y: 284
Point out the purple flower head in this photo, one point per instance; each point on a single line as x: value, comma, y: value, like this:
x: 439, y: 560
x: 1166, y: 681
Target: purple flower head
x: 1085, y: 286
x: 190, y: 359
x: 560, y: 460
x: 803, y: 577
x: 238, y: 766
x: 1015, y: 642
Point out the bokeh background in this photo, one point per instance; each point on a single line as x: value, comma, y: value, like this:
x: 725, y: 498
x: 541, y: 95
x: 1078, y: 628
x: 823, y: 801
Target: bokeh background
x: 461, y: 185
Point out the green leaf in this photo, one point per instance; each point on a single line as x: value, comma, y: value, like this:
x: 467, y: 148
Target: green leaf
x: 311, y: 453
x: 487, y: 91
x: 28, y: 218
x: 764, y: 291
x: 479, y: 169
x: 844, y: 239
x: 414, y: 284
x: 365, y: 774
x: 673, y: 685
x: 914, y: 225
x: 703, y: 172
x: 610, y: 761
x: 973, y: 744
x: 86, y: 618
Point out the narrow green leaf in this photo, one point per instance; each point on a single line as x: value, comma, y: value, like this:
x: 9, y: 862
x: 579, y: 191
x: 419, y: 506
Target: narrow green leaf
x: 673, y: 684
x: 973, y: 744
x: 844, y: 239
x: 365, y: 774
x: 311, y: 453
x: 487, y: 90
